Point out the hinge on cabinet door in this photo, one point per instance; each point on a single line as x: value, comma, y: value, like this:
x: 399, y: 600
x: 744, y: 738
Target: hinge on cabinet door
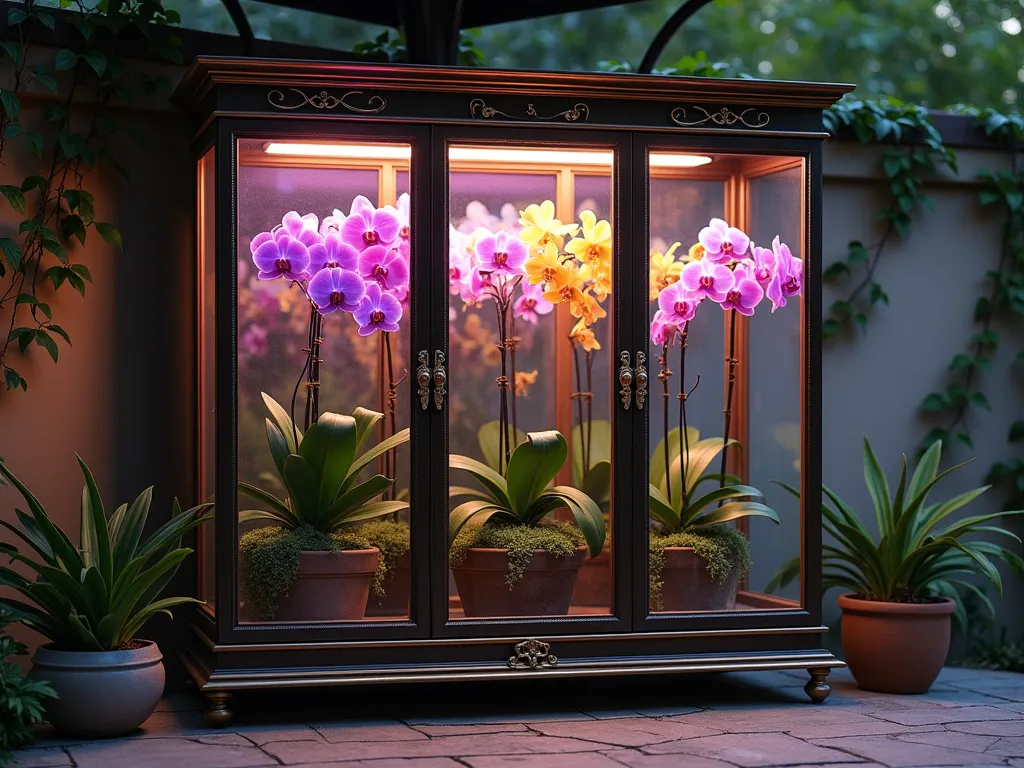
x: 641, y: 380
x: 423, y: 379
x: 532, y: 654
x: 440, y: 380
x: 625, y: 379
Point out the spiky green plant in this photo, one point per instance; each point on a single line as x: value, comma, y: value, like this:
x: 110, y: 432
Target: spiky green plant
x: 98, y: 594
x: 913, y: 556
x: 22, y: 699
x: 521, y: 496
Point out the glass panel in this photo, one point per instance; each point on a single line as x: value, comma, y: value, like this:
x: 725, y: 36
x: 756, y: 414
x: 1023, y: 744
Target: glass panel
x: 529, y: 385
x: 323, y: 382
x: 706, y: 278
x: 774, y: 433
x: 207, y: 427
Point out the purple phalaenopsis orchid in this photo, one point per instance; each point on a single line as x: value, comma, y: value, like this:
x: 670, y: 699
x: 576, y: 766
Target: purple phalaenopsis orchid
x: 501, y: 254
x: 705, y: 279
x: 367, y: 226
x: 723, y: 243
x: 745, y: 293
x: 766, y: 265
x: 305, y: 229
x: 384, y: 266
x: 333, y: 223
x: 378, y: 311
x: 278, y: 254
x: 662, y: 331
x: 677, y: 304
x: 789, y: 276
x: 335, y: 288
x: 532, y: 303
x: 332, y: 253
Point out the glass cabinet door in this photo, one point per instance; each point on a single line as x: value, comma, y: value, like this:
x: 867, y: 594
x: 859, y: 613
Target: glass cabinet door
x: 533, y: 254
x: 724, y: 334
x: 328, y: 502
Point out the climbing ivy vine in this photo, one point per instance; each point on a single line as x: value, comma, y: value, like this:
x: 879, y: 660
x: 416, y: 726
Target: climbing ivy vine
x: 913, y: 150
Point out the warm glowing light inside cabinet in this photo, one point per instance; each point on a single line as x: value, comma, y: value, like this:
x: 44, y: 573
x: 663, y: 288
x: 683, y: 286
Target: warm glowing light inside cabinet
x: 480, y: 154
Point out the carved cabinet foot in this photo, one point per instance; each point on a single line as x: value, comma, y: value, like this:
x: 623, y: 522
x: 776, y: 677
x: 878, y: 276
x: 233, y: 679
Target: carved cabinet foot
x: 817, y: 689
x: 218, y: 713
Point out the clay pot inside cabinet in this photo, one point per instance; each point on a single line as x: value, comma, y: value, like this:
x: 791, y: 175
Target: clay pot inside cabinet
x: 687, y: 585
x: 544, y: 589
x: 594, y: 584
x: 397, y: 591
x: 895, y: 647
x: 331, y: 586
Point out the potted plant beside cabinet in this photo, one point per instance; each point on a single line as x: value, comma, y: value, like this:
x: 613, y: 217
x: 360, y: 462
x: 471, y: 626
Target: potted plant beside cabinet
x: 312, y: 563
x: 90, y: 600
x: 902, y: 586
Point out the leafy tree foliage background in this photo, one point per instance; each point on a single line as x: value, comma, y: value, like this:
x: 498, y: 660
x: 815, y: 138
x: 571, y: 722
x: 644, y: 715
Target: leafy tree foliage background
x: 930, y: 52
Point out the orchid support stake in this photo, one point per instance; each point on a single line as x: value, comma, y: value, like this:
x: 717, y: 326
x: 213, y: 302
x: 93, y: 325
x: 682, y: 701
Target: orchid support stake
x: 732, y: 361
x: 578, y: 397
x: 392, y: 465
x: 683, y: 395
x: 513, y: 342
x: 663, y: 376
x: 588, y: 456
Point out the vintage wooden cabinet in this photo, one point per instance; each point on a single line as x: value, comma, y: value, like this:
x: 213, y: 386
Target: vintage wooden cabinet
x: 429, y: 197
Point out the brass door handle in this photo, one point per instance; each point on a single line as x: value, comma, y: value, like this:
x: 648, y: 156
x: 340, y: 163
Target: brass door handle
x: 625, y: 379
x: 423, y: 379
x: 641, y: 379
x: 440, y: 380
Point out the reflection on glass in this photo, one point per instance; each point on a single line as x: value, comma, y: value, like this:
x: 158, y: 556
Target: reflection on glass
x: 207, y: 249
x: 530, y: 436
x: 704, y: 271
x: 323, y: 368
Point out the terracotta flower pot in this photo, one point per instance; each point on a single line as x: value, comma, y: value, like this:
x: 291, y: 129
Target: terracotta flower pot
x: 331, y: 586
x: 101, y: 693
x: 687, y: 585
x: 594, y: 583
x: 544, y: 589
x: 895, y: 647
x: 397, y: 591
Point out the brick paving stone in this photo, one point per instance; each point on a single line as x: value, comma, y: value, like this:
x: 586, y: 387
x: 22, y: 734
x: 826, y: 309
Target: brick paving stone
x: 966, y: 741
x: 51, y: 757
x: 902, y: 754
x: 666, y: 711
x: 634, y: 759
x: 224, y: 739
x: 452, y: 746
x: 997, y: 728
x: 752, y: 749
x: 165, y: 753
x: 268, y: 734
x: 477, y: 718
x: 395, y: 762
x: 635, y: 732
x: 942, y: 715
x: 778, y: 718
x: 469, y: 730
x: 1011, y: 746
x: 586, y: 760
x: 366, y: 730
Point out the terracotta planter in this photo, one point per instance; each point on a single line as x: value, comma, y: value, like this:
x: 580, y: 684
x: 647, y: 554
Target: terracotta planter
x: 101, y: 693
x: 895, y: 647
x: 687, y: 585
x: 331, y: 586
x: 544, y: 590
x: 397, y: 591
x: 594, y: 583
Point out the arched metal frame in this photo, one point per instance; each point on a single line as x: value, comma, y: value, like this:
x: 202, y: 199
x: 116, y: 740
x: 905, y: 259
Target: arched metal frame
x: 661, y: 40
x: 241, y: 22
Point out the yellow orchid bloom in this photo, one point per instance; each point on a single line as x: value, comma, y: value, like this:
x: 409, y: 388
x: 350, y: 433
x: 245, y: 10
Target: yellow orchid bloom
x: 594, y: 248
x: 696, y: 252
x: 665, y: 270
x: 587, y: 309
x: 601, y: 281
x: 543, y: 265
x: 523, y: 381
x: 584, y: 337
x: 540, y: 226
x: 567, y: 285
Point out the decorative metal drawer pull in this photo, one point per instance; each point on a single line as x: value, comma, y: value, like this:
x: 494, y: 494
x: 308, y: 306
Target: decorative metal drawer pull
x: 440, y: 380
x: 641, y: 379
x: 533, y: 654
x: 423, y: 379
x: 625, y: 380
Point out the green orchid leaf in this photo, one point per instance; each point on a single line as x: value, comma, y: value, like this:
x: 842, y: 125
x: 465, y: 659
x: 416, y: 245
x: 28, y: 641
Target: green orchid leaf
x: 397, y: 439
x: 283, y: 422
x: 278, y: 445
x: 330, y: 448
x: 303, y: 484
x: 735, y: 510
x: 600, y: 448
x: 366, y: 420
x: 662, y: 510
x: 489, y: 478
x: 533, y: 466
x: 280, y: 509
x: 585, y: 512
x: 489, y: 438
x: 462, y: 514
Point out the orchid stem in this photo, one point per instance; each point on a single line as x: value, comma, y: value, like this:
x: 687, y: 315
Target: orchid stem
x: 685, y: 463
x: 514, y: 342
x: 392, y: 465
x: 589, y: 455
x: 732, y: 361
x: 579, y: 401
x: 664, y: 376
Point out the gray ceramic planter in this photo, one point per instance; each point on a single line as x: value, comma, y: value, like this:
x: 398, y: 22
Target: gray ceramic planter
x: 101, y: 693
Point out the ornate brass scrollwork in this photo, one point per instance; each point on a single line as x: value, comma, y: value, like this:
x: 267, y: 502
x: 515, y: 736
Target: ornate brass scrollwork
x: 532, y: 654
x: 578, y: 112
x: 423, y: 379
x: 440, y: 380
x: 325, y: 100
x: 641, y: 379
x: 723, y: 116
x: 625, y: 379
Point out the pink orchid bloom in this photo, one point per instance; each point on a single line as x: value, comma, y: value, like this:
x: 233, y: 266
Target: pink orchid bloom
x: 501, y: 254
x: 378, y: 311
x: 745, y: 293
x: 677, y: 304
x: 384, y: 266
x: 789, y: 277
x: 723, y: 243
x: 367, y: 226
x: 305, y: 229
x: 705, y: 279
x: 532, y: 304
x: 334, y: 289
x: 662, y: 331
x: 332, y: 253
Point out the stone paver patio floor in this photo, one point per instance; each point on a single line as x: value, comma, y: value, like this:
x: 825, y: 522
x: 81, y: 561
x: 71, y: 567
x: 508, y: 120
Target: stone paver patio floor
x: 971, y: 718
